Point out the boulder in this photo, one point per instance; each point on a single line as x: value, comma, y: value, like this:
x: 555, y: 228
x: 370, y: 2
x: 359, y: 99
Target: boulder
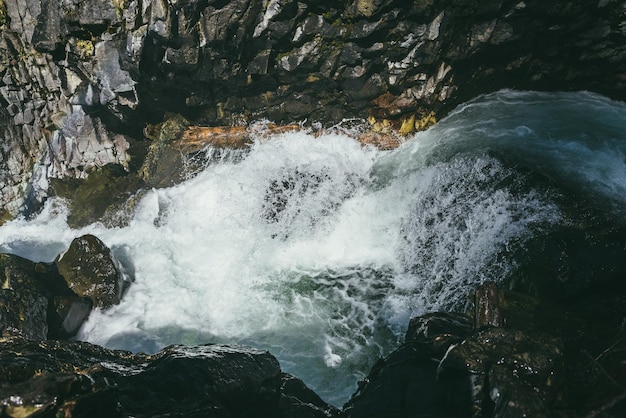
x: 23, y: 301
x: 92, y: 271
x: 547, y: 359
x: 406, y: 383
x: 297, y: 400
x: 71, y: 379
x: 444, y: 369
x: 164, y: 165
x: 35, y: 301
x: 508, y: 372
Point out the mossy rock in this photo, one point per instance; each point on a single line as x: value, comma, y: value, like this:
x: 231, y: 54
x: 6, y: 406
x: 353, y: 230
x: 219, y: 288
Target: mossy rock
x: 92, y: 271
x: 5, y: 216
x: 90, y: 198
x: 164, y: 165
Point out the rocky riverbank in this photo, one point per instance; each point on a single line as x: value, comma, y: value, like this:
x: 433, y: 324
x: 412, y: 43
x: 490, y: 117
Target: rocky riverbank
x: 102, y: 98
x: 512, y: 355
x: 83, y: 81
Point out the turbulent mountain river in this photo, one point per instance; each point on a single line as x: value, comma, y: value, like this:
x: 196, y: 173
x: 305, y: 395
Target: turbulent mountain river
x: 321, y: 250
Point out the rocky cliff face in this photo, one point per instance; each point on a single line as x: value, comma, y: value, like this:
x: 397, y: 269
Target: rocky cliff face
x: 81, y: 79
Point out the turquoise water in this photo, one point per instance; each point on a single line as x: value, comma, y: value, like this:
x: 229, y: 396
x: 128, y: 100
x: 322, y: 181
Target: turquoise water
x: 321, y: 250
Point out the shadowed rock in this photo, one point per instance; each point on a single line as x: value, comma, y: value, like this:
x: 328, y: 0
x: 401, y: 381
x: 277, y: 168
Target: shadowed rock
x: 82, y: 380
x: 35, y: 301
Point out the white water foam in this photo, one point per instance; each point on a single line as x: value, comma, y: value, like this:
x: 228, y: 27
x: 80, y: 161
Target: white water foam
x: 317, y: 249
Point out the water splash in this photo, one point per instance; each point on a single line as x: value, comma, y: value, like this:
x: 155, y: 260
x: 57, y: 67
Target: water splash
x: 321, y: 250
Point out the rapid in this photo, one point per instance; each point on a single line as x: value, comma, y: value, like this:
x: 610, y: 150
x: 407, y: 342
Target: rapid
x: 320, y: 250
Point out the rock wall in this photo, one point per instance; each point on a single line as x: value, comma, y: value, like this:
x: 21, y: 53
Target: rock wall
x: 81, y: 79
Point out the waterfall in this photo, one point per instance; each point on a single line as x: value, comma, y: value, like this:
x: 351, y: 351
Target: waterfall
x: 320, y: 250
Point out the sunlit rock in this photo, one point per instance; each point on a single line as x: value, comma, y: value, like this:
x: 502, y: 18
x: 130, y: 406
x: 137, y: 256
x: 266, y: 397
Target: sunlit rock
x: 128, y: 64
x: 91, y: 270
x: 163, y: 165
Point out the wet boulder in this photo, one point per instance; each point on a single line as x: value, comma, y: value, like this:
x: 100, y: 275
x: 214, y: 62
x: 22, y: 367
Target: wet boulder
x: 448, y: 368
x: 91, y: 270
x: 406, y: 382
x: 71, y: 379
x: 297, y: 400
x: 23, y: 301
x: 35, y: 301
x: 508, y: 372
x: 212, y: 379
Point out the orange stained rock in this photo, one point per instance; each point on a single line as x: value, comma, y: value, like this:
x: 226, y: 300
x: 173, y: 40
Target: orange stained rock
x: 197, y: 137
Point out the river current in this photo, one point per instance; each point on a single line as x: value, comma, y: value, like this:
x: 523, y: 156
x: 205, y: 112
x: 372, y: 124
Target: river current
x: 321, y: 250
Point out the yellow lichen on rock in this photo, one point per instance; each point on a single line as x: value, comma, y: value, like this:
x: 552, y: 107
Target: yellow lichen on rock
x: 380, y: 126
x: 365, y: 7
x: 20, y: 411
x: 403, y: 126
x: 426, y: 122
x: 408, y: 126
x: 119, y: 7
x: 84, y: 48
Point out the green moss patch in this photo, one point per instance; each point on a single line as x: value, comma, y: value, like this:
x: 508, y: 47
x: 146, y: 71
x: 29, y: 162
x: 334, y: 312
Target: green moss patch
x: 90, y: 198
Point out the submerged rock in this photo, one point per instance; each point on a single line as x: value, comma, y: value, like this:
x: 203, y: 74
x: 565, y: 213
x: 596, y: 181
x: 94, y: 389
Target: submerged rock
x: 91, y: 270
x: 78, y: 380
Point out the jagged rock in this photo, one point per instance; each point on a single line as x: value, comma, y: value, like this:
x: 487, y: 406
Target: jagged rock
x: 297, y: 400
x: 36, y: 302
x: 164, y: 165
x: 80, y: 379
x: 445, y: 370
x: 44, y: 125
x: 406, y: 382
x: 508, y: 373
x: 81, y: 81
x: 91, y: 270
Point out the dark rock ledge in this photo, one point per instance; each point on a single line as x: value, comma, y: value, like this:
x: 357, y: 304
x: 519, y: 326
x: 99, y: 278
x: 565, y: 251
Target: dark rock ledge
x: 72, y: 379
x: 513, y: 355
